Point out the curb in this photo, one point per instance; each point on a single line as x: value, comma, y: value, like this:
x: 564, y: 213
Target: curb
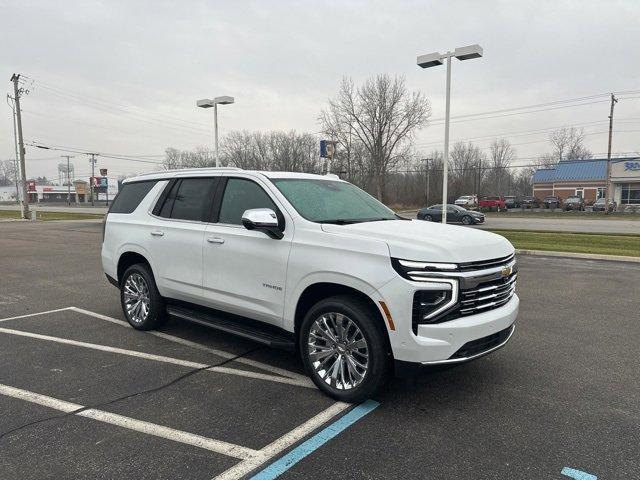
x: 584, y: 256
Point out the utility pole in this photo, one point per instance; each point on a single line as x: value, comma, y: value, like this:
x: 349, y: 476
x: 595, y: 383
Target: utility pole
x: 608, y: 196
x: 93, y: 175
x: 23, y: 173
x: 68, y: 179
x: 15, y: 142
x: 426, y: 188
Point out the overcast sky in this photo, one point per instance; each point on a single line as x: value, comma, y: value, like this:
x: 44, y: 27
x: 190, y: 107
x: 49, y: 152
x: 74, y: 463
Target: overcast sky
x: 123, y: 77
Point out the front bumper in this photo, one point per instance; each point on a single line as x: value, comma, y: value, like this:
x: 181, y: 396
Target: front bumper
x: 437, y: 343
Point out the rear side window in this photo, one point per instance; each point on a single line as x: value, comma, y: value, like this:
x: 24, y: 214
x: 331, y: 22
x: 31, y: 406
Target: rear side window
x: 241, y: 195
x: 130, y: 196
x: 189, y: 199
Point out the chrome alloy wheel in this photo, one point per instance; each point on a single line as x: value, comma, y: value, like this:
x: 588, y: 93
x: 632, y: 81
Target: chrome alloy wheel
x: 136, y: 298
x: 338, y: 351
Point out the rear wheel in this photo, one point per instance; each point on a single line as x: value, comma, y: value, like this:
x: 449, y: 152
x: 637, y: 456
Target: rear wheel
x: 343, y: 348
x: 141, y: 302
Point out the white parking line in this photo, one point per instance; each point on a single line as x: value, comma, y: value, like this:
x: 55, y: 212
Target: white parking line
x: 158, y: 358
x: 221, y: 353
x: 35, y: 314
x: 228, y: 449
x: 265, y: 454
x: 251, y: 459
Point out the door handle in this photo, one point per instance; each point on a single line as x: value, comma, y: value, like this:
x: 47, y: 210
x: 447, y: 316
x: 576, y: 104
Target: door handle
x: 157, y: 233
x: 217, y: 240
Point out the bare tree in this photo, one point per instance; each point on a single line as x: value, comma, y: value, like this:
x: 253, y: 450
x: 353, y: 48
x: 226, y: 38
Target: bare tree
x: 200, y: 157
x: 8, y: 172
x: 568, y: 144
x: 467, y: 164
x: 501, y: 154
x: 382, y: 115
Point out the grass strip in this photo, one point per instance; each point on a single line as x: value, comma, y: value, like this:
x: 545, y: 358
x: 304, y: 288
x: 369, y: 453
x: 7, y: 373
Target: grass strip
x: 605, y: 244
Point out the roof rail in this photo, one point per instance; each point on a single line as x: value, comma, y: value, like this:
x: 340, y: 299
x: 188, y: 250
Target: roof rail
x: 198, y: 169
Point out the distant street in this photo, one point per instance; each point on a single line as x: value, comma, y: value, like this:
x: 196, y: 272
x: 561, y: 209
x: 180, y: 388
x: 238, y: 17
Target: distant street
x: 557, y: 224
x: 63, y: 208
x: 564, y: 225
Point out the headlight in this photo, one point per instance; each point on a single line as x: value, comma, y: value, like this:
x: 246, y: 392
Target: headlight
x: 429, y: 305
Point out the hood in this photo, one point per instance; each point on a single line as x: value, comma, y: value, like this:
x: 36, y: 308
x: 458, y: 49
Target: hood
x: 429, y: 241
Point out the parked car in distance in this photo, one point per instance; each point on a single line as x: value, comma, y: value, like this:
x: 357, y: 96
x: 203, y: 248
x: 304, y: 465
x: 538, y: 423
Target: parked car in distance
x: 574, y: 202
x: 512, y: 201
x: 598, y: 205
x: 529, y: 202
x: 552, y: 202
x: 312, y: 264
x: 455, y: 214
x: 494, y: 202
x: 467, y: 201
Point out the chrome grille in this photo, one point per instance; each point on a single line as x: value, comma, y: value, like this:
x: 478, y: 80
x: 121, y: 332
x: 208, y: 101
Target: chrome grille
x: 482, y: 264
x: 487, y: 295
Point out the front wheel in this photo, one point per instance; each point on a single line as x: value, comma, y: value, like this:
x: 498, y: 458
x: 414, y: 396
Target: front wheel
x: 141, y: 302
x: 428, y: 218
x: 343, y: 348
x: 466, y: 220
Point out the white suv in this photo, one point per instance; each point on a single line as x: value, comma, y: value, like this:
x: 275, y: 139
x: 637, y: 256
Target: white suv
x: 310, y: 262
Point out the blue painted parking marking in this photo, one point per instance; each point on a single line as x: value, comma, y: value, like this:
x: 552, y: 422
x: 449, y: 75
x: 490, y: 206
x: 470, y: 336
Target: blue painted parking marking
x: 577, y: 474
x: 294, y: 456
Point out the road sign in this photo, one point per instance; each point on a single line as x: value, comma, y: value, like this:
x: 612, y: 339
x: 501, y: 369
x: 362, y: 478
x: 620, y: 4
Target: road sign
x: 327, y: 148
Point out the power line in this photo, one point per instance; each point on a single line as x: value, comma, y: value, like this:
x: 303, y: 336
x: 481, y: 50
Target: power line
x: 546, y: 104
x: 62, y: 148
x: 117, y: 109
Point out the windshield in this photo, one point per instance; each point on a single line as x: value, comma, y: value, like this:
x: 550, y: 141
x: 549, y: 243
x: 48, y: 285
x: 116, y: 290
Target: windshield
x: 330, y: 201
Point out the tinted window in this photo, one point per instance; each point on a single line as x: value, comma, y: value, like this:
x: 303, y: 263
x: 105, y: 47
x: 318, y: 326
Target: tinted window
x: 165, y: 211
x: 189, y: 199
x: 241, y: 195
x: 130, y: 196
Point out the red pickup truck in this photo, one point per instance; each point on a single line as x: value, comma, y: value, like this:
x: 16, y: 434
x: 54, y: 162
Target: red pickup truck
x: 492, y: 203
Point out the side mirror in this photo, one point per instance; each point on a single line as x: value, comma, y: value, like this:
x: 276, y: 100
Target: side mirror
x: 263, y: 220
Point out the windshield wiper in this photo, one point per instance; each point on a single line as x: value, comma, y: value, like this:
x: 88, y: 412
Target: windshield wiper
x: 343, y: 221
x: 340, y: 221
x: 383, y: 219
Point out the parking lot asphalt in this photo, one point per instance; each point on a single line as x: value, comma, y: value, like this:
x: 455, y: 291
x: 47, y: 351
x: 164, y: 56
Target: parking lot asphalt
x: 84, y: 396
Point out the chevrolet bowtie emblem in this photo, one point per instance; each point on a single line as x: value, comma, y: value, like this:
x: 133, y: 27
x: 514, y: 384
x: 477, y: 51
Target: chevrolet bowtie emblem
x: 506, y: 271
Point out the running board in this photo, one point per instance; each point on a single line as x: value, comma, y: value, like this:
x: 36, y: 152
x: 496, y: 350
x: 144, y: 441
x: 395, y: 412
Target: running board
x: 242, y: 327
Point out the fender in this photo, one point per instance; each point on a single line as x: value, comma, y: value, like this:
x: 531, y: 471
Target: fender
x: 293, y: 296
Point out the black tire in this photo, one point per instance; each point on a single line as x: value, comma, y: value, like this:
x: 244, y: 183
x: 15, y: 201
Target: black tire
x: 428, y: 218
x: 369, y: 323
x: 467, y: 220
x: 156, y: 313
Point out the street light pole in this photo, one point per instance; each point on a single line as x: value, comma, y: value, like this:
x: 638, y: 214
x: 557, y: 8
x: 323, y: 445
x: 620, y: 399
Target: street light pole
x: 208, y: 103
x: 432, y: 60
x: 215, y: 128
x: 445, y: 170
